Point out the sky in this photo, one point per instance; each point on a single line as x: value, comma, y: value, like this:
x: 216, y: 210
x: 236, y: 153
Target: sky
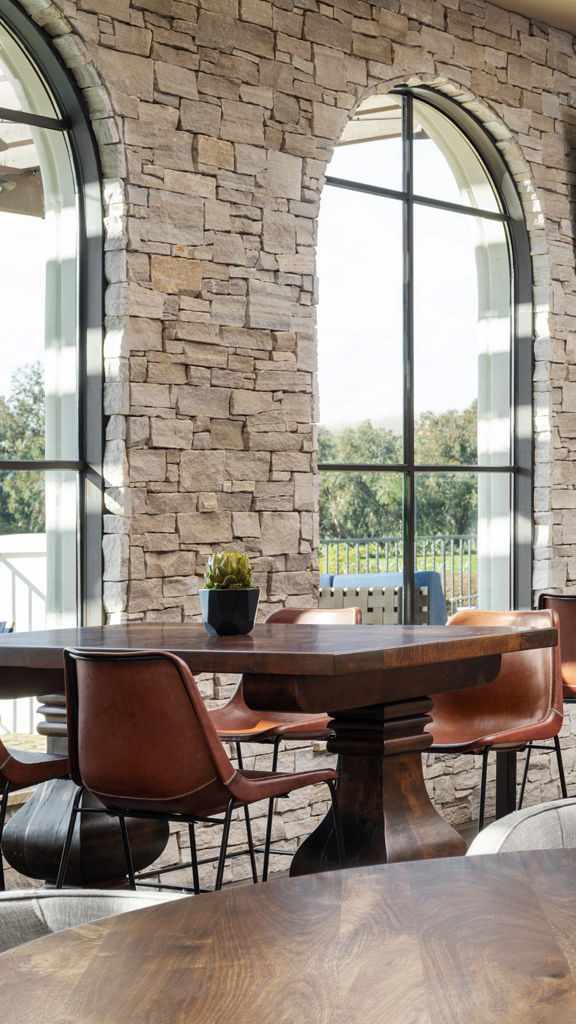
x: 360, y: 289
x: 22, y: 288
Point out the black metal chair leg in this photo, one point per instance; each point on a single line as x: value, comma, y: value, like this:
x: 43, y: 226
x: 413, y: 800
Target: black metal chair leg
x: 268, y: 840
x: 524, y: 776
x: 270, y: 819
x: 250, y: 845
x: 3, y: 809
x: 194, y: 858
x: 482, y: 806
x: 127, y: 853
x: 561, y: 775
x: 248, y: 822
x: 224, y: 846
x: 68, y: 841
x: 333, y: 786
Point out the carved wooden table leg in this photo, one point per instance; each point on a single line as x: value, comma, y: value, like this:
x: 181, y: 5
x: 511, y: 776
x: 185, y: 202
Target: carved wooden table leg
x: 34, y: 837
x: 386, y: 812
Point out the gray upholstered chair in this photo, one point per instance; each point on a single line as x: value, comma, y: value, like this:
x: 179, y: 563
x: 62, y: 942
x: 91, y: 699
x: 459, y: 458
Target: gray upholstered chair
x: 27, y: 914
x: 549, y: 826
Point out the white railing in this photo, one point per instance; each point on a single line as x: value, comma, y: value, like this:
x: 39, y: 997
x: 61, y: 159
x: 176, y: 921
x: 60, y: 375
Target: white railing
x: 23, y: 606
x: 453, y: 556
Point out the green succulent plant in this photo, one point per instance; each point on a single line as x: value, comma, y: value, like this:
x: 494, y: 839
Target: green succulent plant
x: 228, y: 570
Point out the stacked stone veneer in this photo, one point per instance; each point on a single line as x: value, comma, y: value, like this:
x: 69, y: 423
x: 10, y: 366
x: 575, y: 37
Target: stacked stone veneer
x: 215, y: 120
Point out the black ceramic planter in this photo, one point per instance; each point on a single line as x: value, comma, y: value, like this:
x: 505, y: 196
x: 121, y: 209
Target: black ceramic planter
x: 229, y: 612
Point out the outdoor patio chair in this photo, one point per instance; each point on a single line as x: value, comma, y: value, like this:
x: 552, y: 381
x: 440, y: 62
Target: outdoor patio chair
x: 141, y: 740
x: 237, y: 723
x: 20, y: 769
x: 548, y: 826
x: 523, y: 703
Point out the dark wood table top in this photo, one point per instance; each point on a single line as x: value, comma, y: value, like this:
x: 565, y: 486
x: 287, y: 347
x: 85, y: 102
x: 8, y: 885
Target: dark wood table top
x: 472, y: 940
x: 278, y: 648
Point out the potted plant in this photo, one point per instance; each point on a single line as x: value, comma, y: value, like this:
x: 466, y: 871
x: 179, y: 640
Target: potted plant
x: 229, y: 599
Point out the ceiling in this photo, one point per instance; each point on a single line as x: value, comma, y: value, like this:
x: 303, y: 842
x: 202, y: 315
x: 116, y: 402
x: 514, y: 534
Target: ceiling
x: 560, y: 13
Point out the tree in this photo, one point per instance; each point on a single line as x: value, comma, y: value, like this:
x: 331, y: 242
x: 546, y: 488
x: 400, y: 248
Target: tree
x: 446, y: 437
x: 364, y: 504
x: 447, y: 503
x: 360, y: 504
x: 22, y: 503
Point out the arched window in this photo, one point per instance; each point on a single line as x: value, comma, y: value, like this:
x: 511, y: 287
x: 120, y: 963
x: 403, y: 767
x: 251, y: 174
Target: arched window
x: 50, y: 330
x: 425, y: 356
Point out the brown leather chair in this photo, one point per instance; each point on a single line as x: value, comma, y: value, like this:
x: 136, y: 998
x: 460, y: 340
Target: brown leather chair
x: 565, y: 606
x: 141, y: 740
x: 523, y: 703
x: 237, y: 723
x: 20, y: 769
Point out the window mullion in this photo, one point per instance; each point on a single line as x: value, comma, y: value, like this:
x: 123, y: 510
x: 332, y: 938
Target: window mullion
x: 408, y: 347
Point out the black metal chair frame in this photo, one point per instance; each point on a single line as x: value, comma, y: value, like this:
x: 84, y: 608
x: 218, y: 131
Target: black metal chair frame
x: 543, y: 746
x: 267, y: 849
x: 532, y: 745
x: 190, y: 820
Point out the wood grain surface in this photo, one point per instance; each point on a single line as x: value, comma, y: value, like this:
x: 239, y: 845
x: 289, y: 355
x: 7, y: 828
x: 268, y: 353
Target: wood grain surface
x: 475, y: 940
x: 277, y: 649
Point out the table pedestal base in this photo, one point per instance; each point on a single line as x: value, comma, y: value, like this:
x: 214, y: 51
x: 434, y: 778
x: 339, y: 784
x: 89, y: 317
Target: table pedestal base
x: 386, y: 811
x: 34, y: 838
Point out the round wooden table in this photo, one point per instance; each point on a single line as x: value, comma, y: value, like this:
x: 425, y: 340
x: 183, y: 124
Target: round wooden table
x: 477, y: 940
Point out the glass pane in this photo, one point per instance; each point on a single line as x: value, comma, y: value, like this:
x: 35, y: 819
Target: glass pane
x: 461, y: 339
x: 370, y: 149
x: 360, y: 522
x: 445, y: 165
x: 21, y: 87
x: 360, y: 327
x: 38, y: 524
x: 463, y: 532
x: 38, y: 272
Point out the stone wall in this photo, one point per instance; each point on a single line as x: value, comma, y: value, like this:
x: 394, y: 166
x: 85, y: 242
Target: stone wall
x: 215, y: 120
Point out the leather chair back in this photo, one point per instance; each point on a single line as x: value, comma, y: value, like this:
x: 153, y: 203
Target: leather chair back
x: 318, y: 616
x: 139, y: 734
x: 523, y: 703
x: 565, y: 606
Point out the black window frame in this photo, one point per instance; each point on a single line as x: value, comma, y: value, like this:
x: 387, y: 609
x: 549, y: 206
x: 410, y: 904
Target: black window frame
x: 512, y: 217
x: 75, y: 123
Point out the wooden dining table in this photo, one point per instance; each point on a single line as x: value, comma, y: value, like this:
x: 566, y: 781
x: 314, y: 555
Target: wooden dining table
x: 471, y: 940
x: 374, y: 681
